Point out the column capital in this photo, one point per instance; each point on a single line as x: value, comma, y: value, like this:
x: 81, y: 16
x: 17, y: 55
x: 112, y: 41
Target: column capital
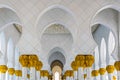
x: 39, y: 65
x: 69, y: 73
x: 18, y: 73
x: 11, y: 71
x: 89, y: 60
x: 117, y: 65
x: 95, y: 73
x: 33, y: 59
x: 110, y: 68
x: 102, y: 71
x: 3, y: 68
x: 80, y: 60
x: 44, y: 73
x: 24, y: 60
x: 50, y: 77
x: 64, y: 77
x: 74, y: 65
x: 28, y: 76
x: 85, y: 75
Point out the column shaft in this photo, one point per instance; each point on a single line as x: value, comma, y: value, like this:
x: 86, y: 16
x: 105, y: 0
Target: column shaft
x: 88, y: 73
x: 17, y: 78
x: 38, y: 75
x: 2, y: 76
x: 75, y: 75
x: 24, y: 73
x: 10, y: 77
x: 118, y: 75
x: 102, y: 77
x: 32, y: 73
x: 96, y: 78
x: 80, y: 73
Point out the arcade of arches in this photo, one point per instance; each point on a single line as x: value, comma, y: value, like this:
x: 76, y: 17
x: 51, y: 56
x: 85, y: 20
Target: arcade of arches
x: 59, y: 39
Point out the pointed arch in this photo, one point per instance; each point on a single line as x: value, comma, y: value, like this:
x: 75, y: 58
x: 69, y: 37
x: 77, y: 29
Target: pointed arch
x: 50, y: 16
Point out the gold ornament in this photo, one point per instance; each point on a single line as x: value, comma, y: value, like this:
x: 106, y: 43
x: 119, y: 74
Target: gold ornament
x: 44, y: 73
x: 69, y: 73
x: 38, y: 65
x: 114, y: 78
x: 85, y: 75
x: 24, y: 60
x: 64, y: 77
x: 74, y: 66
x: 11, y: 71
x: 3, y: 68
x: 110, y: 68
x: 102, y: 71
x: 95, y: 73
x: 117, y: 65
x: 50, y: 77
x: 89, y: 60
x: 28, y: 76
x: 18, y: 73
x: 80, y: 60
x: 33, y: 59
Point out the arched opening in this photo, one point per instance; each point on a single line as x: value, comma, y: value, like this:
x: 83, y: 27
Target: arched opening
x: 56, y: 68
x: 56, y: 61
x: 58, y: 37
x: 104, y: 33
x: 10, y: 34
x: 108, y: 18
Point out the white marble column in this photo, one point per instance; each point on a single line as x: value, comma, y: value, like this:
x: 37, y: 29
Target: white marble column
x: 18, y: 71
x: 97, y: 78
x: 32, y: 73
x: 17, y: 78
x: 42, y: 78
x: 11, y: 58
x: 117, y: 66
x: 75, y: 75
x: 38, y: 75
x: 10, y: 77
x: 67, y: 78
x: 95, y: 75
x: 110, y: 70
x: 102, y: 72
x: 2, y: 76
x: 118, y: 75
x: 71, y: 78
x: 24, y: 73
x: 96, y: 64
x: 80, y: 73
x: 3, y: 66
x: 45, y: 78
x: 88, y: 71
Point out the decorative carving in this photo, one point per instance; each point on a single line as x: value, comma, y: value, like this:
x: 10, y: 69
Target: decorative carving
x: 11, y: 71
x: 110, y: 68
x: 102, y: 71
x: 3, y: 68
x: 18, y: 73
x: 117, y: 65
x: 95, y: 73
x: 74, y: 66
